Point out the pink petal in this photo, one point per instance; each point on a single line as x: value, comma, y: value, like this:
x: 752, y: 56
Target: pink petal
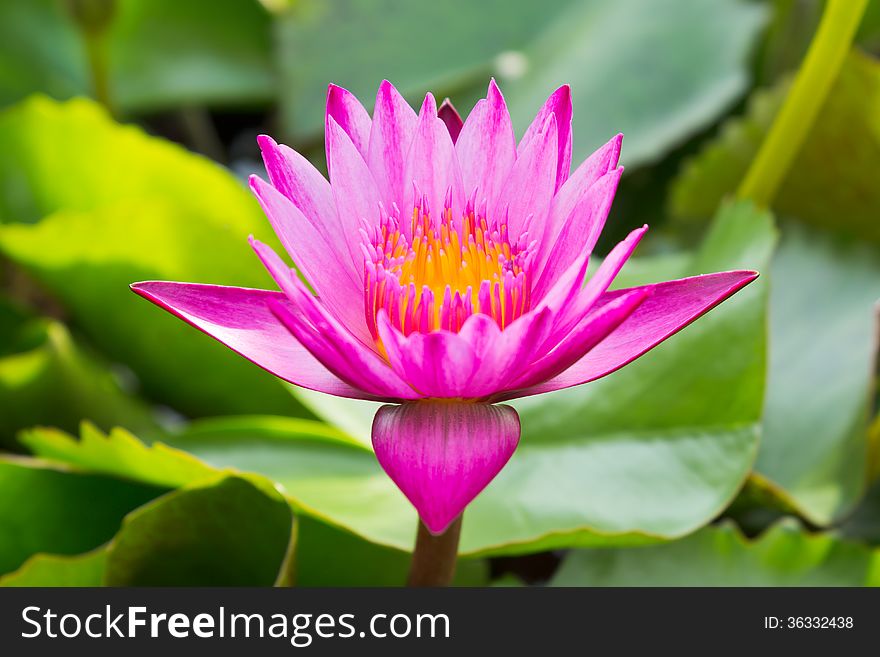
x: 570, y: 301
x: 240, y: 318
x: 559, y: 104
x: 432, y: 165
x: 580, y: 230
x: 529, y: 187
x: 569, y: 195
x: 295, y: 177
x: 357, y: 197
x: 671, y: 306
x: 394, y: 125
x: 506, y: 356
x: 486, y: 148
x: 592, y: 329
x: 451, y: 118
x: 351, y: 116
x: 437, y: 364
x: 333, y: 278
x: 480, y: 332
x: 443, y: 454
x: 330, y: 342
x: 600, y: 281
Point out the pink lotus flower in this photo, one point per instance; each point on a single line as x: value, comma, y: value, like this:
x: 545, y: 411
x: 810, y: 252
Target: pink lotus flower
x: 448, y: 265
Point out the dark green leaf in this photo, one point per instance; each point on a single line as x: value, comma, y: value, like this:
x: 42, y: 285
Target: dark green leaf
x: 47, y: 509
x: 326, y: 556
x: 358, y: 44
x: 228, y: 533
x: 831, y: 184
x: 160, y: 53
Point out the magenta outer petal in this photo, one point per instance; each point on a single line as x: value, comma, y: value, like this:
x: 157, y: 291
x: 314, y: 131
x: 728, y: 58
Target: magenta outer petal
x: 437, y: 364
x: 569, y: 195
x: 515, y: 347
x: 559, y: 104
x: 332, y: 277
x: 351, y: 116
x: 451, y: 118
x: 443, y: 454
x: 529, y: 189
x: 354, y: 190
x: 671, y: 306
x: 431, y: 165
x: 295, y: 177
x: 576, y: 308
x: 580, y: 231
x: 329, y: 341
x: 394, y: 125
x: 486, y: 148
x: 592, y: 329
x: 240, y: 318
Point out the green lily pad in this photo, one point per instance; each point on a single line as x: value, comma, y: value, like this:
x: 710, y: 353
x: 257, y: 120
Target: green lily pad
x: 226, y: 533
x: 50, y: 509
x: 784, y: 555
x: 160, y: 53
x: 689, y: 66
x: 821, y: 374
x: 58, y: 570
x: 99, y: 206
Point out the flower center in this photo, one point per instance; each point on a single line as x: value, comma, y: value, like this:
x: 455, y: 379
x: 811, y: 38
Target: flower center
x: 437, y: 273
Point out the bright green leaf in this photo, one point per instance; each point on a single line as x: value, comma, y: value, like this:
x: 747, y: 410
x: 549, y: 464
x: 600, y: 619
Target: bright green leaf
x: 721, y: 556
x: 56, y: 570
x: 46, y: 378
x: 119, y: 454
x: 227, y: 533
x: 114, y: 206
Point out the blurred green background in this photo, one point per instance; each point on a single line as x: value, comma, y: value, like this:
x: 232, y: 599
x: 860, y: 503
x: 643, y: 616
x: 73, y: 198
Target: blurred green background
x: 136, y: 451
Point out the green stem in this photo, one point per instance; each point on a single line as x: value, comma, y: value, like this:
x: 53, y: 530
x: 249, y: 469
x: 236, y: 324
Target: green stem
x: 808, y: 92
x: 433, y: 561
x: 97, y: 56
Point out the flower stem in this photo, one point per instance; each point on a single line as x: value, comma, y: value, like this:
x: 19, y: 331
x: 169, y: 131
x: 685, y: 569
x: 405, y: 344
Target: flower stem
x: 96, y: 51
x: 94, y: 18
x: 433, y: 561
x: 821, y: 65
